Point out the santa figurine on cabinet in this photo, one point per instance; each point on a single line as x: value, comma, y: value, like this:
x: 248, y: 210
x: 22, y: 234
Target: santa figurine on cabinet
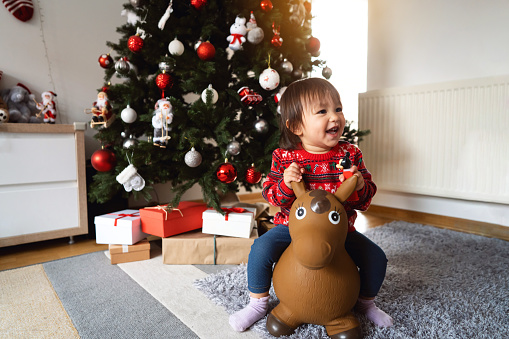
x: 48, y: 107
x: 161, y: 120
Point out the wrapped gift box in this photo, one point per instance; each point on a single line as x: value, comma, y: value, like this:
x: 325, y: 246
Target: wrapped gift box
x: 164, y: 223
x: 238, y: 222
x: 195, y: 248
x: 128, y: 253
x: 119, y: 228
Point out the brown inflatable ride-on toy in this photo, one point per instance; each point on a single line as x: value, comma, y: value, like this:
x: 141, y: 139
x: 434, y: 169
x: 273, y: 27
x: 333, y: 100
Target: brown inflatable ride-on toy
x: 315, y: 279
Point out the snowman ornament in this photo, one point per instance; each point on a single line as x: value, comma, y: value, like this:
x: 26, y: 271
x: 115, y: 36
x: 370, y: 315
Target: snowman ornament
x: 237, y: 34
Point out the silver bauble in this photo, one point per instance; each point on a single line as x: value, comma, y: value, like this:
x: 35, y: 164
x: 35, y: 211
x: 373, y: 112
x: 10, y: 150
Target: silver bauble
x: 287, y: 66
x: 166, y: 66
x: 261, y: 126
x: 128, y: 115
x: 192, y: 158
x: 297, y: 73
x: 327, y: 72
x: 233, y: 147
x: 130, y: 142
x: 255, y: 35
x: 122, y: 67
x: 136, y: 3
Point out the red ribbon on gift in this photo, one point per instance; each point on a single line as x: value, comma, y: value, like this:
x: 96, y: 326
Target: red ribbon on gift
x: 123, y: 215
x: 228, y: 210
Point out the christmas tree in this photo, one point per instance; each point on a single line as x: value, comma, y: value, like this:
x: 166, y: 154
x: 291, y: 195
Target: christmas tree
x: 220, y: 137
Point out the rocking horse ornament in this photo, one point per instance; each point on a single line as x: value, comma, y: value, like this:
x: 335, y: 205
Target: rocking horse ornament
x: 315, y: 279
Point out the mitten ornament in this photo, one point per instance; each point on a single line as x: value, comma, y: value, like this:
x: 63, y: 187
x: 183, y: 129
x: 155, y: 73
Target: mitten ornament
x: 130, y: 178
x: 21, y: 9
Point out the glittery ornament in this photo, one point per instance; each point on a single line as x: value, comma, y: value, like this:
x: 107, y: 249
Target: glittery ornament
x: 135, y: 43
x: 122, y: 66
x: 206, y: 51
x: 105, y: 60
x: 226, y: 173
x: 103, y: 160
x: 253, y: 176
x: 327, y: 72
x: 193, y: 158
x: 198, y: 4
x: 164, y: 81
x: 233, y: 147
x: 266, y: 5
x: 176, y: 47
x: 269, y: 79
x: 128, y: 115
x: 261, y: 126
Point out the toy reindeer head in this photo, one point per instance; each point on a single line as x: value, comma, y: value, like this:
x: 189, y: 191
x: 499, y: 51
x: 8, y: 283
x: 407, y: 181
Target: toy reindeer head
x: 318, y: 223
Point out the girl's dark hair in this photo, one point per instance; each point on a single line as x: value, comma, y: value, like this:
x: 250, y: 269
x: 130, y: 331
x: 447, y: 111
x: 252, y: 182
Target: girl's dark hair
x: 299, y: 95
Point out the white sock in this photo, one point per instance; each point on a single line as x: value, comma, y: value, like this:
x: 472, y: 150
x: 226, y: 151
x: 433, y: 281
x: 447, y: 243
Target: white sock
x: 254, y: 311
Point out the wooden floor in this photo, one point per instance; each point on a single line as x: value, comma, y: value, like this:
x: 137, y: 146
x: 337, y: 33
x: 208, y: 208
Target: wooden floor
x: 43, y: 251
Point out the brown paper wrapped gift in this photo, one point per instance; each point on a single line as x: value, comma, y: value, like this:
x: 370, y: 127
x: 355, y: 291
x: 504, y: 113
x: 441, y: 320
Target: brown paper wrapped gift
x: 194, y: 248
x: 126, y: 253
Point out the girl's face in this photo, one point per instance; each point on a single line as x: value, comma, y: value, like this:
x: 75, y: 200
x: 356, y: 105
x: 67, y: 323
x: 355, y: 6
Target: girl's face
x: 323, y: 123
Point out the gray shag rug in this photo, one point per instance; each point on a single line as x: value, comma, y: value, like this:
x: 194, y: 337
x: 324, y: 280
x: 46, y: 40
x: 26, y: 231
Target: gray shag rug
x: 439, y: 284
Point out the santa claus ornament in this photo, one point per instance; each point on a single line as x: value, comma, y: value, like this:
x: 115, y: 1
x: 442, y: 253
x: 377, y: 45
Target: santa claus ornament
x: 48, y: 108
x: 22, y: 10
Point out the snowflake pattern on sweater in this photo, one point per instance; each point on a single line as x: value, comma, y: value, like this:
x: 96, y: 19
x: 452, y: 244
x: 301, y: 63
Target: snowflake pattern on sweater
x: 320, y: 172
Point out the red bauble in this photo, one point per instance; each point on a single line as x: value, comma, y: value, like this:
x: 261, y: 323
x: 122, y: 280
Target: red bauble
x: 103, y: 160
x: 276, y: 41
x: 206, y: 51
x: 135, y: 43
x: 164, y: 81
x: 198, y: 4
x: 253, y: 176
x: 226, y: 173
x: 105, y: 60
x: 266, y: 5
x: 313, y: 45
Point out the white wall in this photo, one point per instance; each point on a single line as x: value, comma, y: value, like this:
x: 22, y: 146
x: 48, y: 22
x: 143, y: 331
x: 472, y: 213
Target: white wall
x: 58, y: 50
x: 412, y: 42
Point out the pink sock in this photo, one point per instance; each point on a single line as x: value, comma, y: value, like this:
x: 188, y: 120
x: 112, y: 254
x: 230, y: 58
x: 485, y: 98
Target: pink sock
x: 373, y: 313
x: 254, y: 311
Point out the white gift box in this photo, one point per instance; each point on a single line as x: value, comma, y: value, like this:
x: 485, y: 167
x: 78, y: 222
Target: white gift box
x: 233, y: 224
x: 119, y: 228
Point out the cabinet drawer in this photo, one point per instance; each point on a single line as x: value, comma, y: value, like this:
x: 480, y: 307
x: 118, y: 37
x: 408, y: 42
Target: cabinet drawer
x: 37, y: 158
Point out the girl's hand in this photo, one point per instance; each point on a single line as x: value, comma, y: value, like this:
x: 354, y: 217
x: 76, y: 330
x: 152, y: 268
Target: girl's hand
x: 360, y: 178
x: 292, y: 173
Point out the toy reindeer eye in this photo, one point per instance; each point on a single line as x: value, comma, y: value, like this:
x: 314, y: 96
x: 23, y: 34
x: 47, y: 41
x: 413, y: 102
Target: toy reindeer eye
x: 300, y: 213
x: 334, y: 217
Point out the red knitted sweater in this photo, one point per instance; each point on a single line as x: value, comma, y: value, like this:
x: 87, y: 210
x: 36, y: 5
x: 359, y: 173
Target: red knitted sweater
x: 319, y: 172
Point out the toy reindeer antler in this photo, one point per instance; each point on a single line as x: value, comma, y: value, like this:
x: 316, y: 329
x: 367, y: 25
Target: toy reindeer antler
x: 298, y: 188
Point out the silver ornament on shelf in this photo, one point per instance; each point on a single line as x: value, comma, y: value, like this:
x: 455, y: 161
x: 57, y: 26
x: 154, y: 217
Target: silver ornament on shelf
x: 128, y: 115
x: 233, y: 147
x: 287, y: 66
x: 193, y: 158
x: 261, y: 126
x: 122, y: 67
x: 327, y: 72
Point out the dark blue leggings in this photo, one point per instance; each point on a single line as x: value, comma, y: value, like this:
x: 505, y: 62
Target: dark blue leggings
x: 266, y: 250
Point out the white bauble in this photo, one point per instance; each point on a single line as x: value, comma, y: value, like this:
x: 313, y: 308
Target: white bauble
x: 255, y: 35
x: 193, y: 158
x: 269, y: 79
x: 233, y: 147
x: 215, y: 96
x: 128, y: 115
x: 176, y: 47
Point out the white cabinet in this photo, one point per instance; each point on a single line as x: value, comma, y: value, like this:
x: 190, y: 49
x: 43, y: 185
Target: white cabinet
x: 42, y: 182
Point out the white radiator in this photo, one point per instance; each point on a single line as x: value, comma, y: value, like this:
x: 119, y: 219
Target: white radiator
x: 447, y: 140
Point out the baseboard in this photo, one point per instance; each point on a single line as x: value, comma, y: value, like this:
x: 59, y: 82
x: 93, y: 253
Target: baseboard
x: 456, y: 224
